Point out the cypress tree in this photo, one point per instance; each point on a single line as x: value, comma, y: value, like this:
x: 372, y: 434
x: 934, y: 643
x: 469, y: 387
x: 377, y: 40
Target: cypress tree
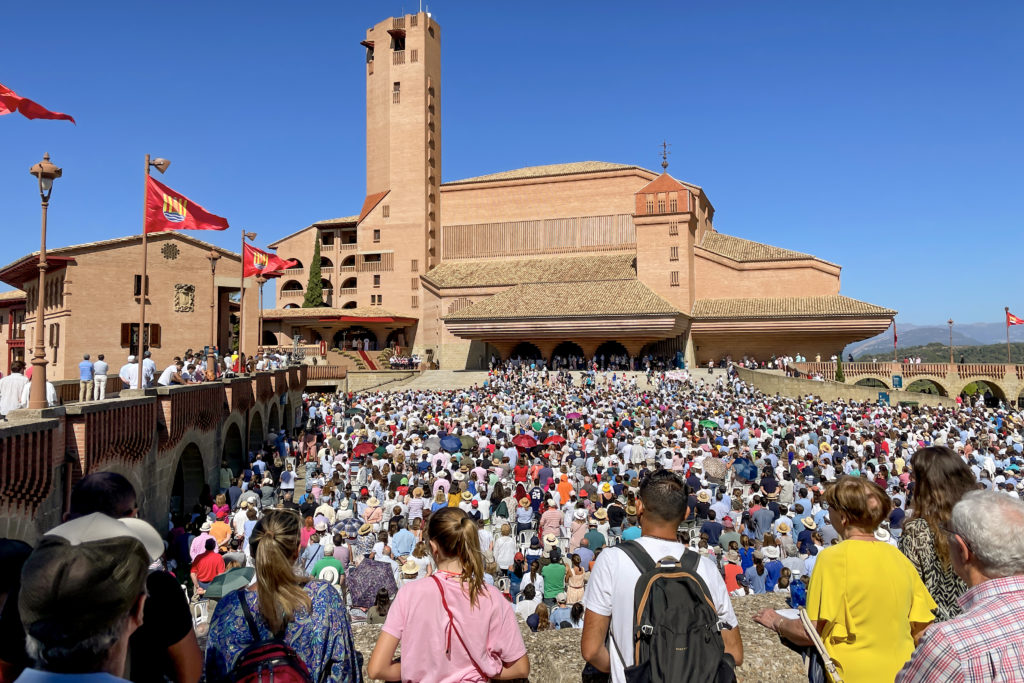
x: 314, y: 288
x: 840, y: 377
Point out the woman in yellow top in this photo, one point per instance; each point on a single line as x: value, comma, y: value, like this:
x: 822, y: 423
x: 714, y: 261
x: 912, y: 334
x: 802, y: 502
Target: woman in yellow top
x: 865, y: 598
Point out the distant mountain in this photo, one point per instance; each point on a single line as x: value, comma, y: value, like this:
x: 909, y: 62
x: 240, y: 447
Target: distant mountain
x: 939, y: 353
x: 968, y: 334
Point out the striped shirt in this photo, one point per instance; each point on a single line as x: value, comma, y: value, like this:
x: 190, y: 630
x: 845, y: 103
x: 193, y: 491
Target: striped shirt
x: 985, y: 643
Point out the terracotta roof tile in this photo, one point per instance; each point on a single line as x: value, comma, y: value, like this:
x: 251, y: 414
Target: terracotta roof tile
x: 834, y: 306
x: 606, y: 298
x: 13, y: 295
x: 503, y: 272
x: 324, y: 312
x: 549, y: 170
x: 739, y: 249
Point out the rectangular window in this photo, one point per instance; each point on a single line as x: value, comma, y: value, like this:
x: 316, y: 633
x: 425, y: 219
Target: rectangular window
x: 673, y: 253
x: 371, y: 258
x: 327, y: 238
x: 415, y: 283
x: 414, y: 56
x: 396, y: 93
x: 130, y: 335
x: 415, y: 265
x: 661, y: 206
x: 673, y: 279
x: 385, y: 211
x: 376, y: 235
x: 137, y: 286
x: 650, y: 205
x: 673, y: 228
x: 415, y: 301
x: 376, y: 281
x: 673, y: 205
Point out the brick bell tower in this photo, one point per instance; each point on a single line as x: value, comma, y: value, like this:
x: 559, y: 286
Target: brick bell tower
x: 400, y: 219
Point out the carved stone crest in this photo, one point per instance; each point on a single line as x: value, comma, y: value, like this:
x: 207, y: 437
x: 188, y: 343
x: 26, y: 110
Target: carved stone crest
x: 184, y: 298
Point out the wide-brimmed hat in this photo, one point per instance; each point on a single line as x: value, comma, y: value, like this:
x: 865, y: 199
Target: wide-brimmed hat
x: 206, y: 526
x: 601, y: 513
x: 418, y: 491
x: 630, y: 510
x: 365, y: 529
x: 733, y: 557
x: 771, y: 552
x: 373, y: 502
x: 704, y: 496
x: 410, y: 567
x: 809, y: 523
x: 606, y: 487
x: 580, y: 514
x: 459, y: 476
x: 783, y: 528
x: 320, y: 525
x: 524, y: 502
x: 466, y: 495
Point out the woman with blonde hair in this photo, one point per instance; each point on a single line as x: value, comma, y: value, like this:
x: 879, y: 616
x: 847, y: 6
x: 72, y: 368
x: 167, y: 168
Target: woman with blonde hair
x: 452, y: 626
x: 308, y: 614
x: 941, y: 478
x: 540, y: 619
x: 504, y: 548
x: 869, y: 626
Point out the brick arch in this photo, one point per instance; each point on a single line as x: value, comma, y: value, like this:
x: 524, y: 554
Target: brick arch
x: 995, y: 384
x: 886, y: 383
x: 939, y: 382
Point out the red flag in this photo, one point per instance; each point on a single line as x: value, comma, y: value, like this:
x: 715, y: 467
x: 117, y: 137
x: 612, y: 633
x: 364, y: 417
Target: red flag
x: 11, y: 102
x: 1011, y: 319
x: 257, y: 262
x: 169, y: 210
x: 894, y: 337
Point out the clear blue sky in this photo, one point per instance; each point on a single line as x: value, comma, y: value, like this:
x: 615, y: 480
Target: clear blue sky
x: 882, y: 136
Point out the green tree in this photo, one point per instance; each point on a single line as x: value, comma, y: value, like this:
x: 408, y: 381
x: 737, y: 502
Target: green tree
x: 840, y: 377
x: 314, y: 289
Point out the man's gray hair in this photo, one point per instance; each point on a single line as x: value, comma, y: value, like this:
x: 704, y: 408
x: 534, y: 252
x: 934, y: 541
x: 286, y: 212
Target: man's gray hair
x: 990, y: 523
x: 82, y: 656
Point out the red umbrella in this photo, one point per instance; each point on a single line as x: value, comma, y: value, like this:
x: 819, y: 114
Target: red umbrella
x: 555, y: 439
x: 363, y: 448
x: 524, y: 441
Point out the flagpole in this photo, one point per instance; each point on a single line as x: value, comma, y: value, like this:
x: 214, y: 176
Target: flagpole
x: 1007, y: 309
x: 241, y: 306
x: 895, y: 358
x: 142, y: 284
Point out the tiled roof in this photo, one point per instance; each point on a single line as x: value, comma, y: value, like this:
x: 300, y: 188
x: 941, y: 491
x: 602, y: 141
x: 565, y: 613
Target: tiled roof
x: 324, y: 312
x: 504, y: 272
x: 326, y: 223
x: 549, y: 170
x: 739, y: 249
x: 13, y: 295
x: 834, y: 306
x: 606, y: 298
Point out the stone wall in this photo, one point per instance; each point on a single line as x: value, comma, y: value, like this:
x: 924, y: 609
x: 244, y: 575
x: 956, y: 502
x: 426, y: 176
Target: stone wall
x: 772, y: 383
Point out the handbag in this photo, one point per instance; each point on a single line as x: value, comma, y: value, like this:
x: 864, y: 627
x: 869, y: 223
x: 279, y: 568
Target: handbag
x: 831, y: 672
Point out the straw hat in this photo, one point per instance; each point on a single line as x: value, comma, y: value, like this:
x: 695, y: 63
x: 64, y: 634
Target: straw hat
x: 466, y: 495
x: 704, y: 496
x: 601, y: 514
x: 458, y: 476
x: 783, y: 528
x: 418, y: 491
x: 809, y: 523
x: 410, y: 567
x: 373, y: 502
x: 630, y: 510
x: 365, y: 529
x: 524, y: 502
x: 579, y: 514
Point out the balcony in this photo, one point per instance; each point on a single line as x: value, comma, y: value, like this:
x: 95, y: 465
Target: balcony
x: 327, y: 270
x: 347, y: 291
x: 290, y: 293
x: 294, y: 271
x: 398, y: 57
x: 351, y: 246
x: 346, y: 269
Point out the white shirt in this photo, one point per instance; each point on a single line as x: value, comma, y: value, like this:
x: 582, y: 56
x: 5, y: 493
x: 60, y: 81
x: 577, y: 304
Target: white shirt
x: 148, y: 371
x: 166, y: 375
x: 129, y: 374
x: 609, y: 593
x: 51, y: 395
x: 100, y: 367
x: 10, y: 391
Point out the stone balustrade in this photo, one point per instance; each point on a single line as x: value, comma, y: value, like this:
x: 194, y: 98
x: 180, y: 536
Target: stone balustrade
x: 1006, y: 380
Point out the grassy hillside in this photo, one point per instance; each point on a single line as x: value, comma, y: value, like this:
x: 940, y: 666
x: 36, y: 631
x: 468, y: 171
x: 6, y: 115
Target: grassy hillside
x: 939, y: 353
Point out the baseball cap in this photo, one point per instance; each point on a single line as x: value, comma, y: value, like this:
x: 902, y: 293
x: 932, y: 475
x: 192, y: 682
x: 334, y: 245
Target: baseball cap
x: 85, y: 575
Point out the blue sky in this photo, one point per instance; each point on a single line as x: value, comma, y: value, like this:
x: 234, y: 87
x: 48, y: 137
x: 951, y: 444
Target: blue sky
x: 885, y: 137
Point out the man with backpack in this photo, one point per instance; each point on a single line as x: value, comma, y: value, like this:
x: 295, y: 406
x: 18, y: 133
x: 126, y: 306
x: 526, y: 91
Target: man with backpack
x: 679, y: 637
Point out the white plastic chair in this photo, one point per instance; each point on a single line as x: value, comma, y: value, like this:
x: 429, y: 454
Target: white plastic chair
x: 503, y: 584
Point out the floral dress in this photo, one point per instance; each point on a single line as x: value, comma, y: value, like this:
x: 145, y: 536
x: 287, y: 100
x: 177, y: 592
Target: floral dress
x: 322, y: 637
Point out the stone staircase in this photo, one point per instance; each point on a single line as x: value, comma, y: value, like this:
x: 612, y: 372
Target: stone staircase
x: 441, y: 380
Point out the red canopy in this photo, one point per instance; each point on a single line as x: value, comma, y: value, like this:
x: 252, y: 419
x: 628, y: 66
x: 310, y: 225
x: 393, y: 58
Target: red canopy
x: 524, y: 441
x: 555, y: 439
x: 363, y: 448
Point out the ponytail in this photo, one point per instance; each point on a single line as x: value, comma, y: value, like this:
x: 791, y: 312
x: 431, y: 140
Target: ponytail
x: 275, y: 538
x: 456, y: 536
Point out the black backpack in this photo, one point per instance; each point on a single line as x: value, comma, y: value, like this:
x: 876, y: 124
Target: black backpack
x: 676, y: 636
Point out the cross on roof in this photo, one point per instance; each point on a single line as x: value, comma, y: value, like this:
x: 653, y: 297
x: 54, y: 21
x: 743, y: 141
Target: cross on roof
x: 664, y: 154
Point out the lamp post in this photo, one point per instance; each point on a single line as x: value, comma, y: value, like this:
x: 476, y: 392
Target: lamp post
x: 211, y: 358
x: 950, y: 322
x: 45, y: 172
x: 259, y: 325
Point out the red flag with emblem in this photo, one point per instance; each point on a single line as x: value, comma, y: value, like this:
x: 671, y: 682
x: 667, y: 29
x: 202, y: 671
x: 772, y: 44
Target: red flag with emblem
x: 1011, y: 319
x: 170, y: 210
x: 258, y: 262
x: 11, y: 102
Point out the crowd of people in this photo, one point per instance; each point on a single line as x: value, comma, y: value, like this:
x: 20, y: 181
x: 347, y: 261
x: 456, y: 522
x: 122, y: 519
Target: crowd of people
x: 540, y: 498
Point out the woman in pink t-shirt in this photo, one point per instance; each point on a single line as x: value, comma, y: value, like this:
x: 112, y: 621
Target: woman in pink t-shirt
x: 452, y: 626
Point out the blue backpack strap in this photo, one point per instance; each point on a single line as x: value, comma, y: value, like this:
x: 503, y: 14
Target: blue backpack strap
x: 247, y: 613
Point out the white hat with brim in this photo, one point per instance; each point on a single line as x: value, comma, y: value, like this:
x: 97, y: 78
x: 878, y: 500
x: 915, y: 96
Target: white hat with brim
x: 98, y: 526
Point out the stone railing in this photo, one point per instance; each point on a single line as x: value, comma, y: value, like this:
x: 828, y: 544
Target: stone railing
x: 67, y: 389
x: 199, y: 406
x: 315, y: 372
x: 28, y: 455
x: 119, y: 429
